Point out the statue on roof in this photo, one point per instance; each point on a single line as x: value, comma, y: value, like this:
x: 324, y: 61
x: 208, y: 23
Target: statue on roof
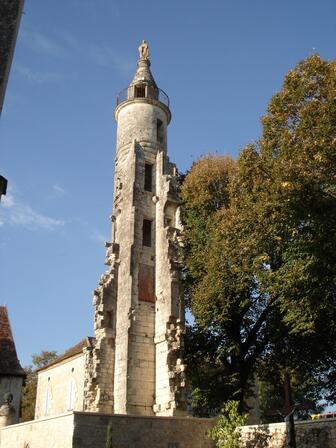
x: 144, y: 51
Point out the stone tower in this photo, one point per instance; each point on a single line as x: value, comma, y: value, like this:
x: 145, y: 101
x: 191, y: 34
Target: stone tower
x: 136, y: 366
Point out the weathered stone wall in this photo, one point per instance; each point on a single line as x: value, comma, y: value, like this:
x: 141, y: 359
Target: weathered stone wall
x: 309, y: 434
x: 132, y: 368
x: 169, y: 322
x: 52, y: 432
x: 140, y: 291
x: 100, y: 360
x: 142, y: 287
x: 137, y: 121
x: 141, y: 380
x: 60, y: 388
x: 89, y: 430
x: 156, y: 368
x: 141, y: 432
x: 12, y: 384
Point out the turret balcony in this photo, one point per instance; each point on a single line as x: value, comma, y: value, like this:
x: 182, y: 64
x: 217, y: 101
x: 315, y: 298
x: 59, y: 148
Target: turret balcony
x: 138, y: 91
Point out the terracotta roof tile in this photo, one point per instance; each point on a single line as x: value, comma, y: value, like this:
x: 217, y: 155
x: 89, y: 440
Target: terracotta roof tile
x: 9, y: 363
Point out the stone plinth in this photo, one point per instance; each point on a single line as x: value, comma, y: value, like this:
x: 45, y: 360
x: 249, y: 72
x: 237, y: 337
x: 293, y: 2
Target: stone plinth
x: 7, y: 415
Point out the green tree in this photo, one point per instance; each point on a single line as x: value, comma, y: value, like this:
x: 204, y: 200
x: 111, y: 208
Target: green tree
x: 29, y: 390
x: 227, y: 433
x: 261, y: 244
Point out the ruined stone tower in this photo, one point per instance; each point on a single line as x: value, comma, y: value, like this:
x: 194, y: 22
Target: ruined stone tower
x: 136, y: 365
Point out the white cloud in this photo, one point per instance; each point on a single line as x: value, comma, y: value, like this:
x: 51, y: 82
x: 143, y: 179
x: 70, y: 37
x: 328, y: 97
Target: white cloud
x: 35, y: 76
x: 16, y: 213
x: 63, y: 44
x: 69, y: 40
x: 105, y: 56
x: 42, y: 44
x: 8, y: 201
x: 58, y: 190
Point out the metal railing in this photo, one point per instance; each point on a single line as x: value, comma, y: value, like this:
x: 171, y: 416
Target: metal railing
x: 131, y: 93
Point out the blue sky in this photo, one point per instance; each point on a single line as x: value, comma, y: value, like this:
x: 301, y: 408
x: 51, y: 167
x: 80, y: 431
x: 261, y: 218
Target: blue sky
x: 219, y: 61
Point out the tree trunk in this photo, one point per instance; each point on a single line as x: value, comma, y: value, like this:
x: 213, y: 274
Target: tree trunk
x: 289, y: 412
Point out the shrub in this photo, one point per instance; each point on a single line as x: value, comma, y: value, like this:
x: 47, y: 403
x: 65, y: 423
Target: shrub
x: 226, y: 433
x: 109, y: 436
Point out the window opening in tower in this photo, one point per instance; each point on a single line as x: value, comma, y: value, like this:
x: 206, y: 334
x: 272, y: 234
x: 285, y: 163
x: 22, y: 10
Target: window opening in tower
x: 147, y: 233
x: 140, y: 91
x: 148, y: 176
x: 159, y: 131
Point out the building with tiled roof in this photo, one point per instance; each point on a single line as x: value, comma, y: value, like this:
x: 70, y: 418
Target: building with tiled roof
x: 60, y: 386
x: 11, y: 372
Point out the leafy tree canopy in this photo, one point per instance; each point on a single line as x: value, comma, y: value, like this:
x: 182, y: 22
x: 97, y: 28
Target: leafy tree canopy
x: 261, y: 243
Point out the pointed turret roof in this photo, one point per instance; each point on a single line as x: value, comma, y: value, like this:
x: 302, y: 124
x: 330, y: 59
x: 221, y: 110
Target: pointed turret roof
x: 9, y: 363
x: 143, y: 86
x: 143, y: 74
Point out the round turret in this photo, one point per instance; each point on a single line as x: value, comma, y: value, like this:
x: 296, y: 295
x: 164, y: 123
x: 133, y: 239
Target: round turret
x: 142, y: 111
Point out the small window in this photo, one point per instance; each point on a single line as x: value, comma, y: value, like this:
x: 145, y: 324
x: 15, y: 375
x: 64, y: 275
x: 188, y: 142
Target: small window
x: 147, y: 233
x: 71, y: 398
x: 47, y: 401
x: 140, y: 91
x: 159, y: 131
x: 148, y: 177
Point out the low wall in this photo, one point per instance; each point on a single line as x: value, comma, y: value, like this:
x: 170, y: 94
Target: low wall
x: 89, y: 430
x: 309, y: 434
x: 52, y: 432
x: 141, y: 432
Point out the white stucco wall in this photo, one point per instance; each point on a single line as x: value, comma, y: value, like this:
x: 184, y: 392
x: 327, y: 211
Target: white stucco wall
x: 60, y: 387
